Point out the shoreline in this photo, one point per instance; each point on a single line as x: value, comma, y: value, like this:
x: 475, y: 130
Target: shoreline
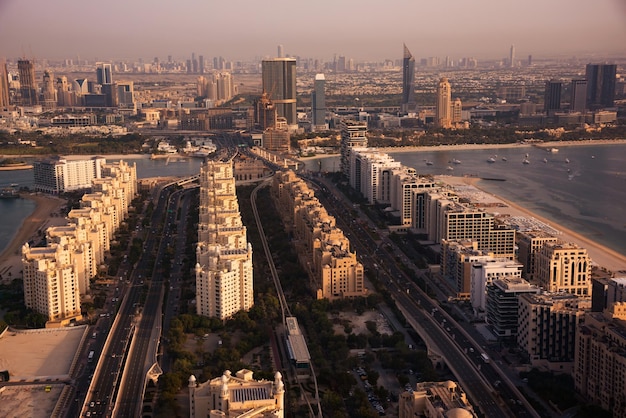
x: 41, y: 217
x: 601, y: 255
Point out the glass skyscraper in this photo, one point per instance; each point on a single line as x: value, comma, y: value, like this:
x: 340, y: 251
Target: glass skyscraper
x: 279, y: 82
x: 408, y: 81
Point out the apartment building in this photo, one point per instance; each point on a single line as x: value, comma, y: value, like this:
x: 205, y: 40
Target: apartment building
x: 599, y: 361
x: 50, y: 285
x: 56, y: 275
x: 374, y: 167
x: 237, y: 395
x: 547, y: 328
x: 224, y: 276
x: 483, y: 272
x: 60, y: 174
x: 407, y: 196
x: 353, y: 135
x: 563, y: 267
x: 502, y: 304
x: 323, y: 248
x: 529, y: 244
x: 436, y: 400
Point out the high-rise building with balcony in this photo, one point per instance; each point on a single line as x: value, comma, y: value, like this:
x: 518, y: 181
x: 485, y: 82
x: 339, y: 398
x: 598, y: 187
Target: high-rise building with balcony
x: 58, y: 175
x: 4, y: 84
x: 224, y: 282
x: 353, y: 135
x: 279, y: 82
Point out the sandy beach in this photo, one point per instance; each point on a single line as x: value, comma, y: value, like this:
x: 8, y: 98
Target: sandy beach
x: 600, y: 254
x: 41, y: 218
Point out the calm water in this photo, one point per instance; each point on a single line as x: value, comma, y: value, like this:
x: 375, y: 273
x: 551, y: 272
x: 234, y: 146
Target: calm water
x: 14, y: 211
x: 587, y: 195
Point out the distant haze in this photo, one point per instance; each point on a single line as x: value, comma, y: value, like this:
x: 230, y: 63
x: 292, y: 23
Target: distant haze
x: 362, y: 30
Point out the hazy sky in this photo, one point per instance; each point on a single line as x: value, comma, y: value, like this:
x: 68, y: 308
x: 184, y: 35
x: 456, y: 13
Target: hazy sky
x: 362, y: 30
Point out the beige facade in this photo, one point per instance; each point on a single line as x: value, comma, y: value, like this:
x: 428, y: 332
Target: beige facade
x: 323, y: 248
x: 547, y: 328
x: 563, y: 267
x: 529, y: 244
x: 237, y: 396
x: 443, y: 107
x: 224, y: 280
x: 436, y: 400
x: 600, y: 364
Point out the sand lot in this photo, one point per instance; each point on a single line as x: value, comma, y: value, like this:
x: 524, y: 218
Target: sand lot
x: 358, y: 322
x: 44, y: 354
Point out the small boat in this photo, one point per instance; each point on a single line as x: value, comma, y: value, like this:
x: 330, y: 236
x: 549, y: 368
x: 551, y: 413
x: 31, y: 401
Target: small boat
x: 593, y: 156
x: 545, y: 160
x: 429, y: 163
x: 567, y: 160
x: 504, y: 159
x: 491, y: 160
x: 455, y: 161
x: 526, y: 161
x: 450, y: 168
x: 553, y: 150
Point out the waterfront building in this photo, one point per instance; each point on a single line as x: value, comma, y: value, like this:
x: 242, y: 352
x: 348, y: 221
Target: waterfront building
x: 50, y: 285
x: 547, y: 328
x: 552, y: 97
x: 502, y: 304
x: 436, y: 400
x: 75, y: 243
x: 578, y: 95
x: 482, y: 273
x: 606, y: 291
x: 353, y: 135
x: 407, y: 196
x: 443, y: 109
x: 600, y: 85
x: 29, y: 95
x: 408, y: 82
x: 529, y: 243
x: 237, y: 395
x: 563, y: 267
x: 224, y: 280
x: 599, y: 363
x: 372, y: 170
x: 279, y: 82
x: 318, y: 104
x: 61, y: 174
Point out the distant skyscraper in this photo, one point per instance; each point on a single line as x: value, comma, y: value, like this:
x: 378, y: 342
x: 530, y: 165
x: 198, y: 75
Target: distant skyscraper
x: 280, y: 51
x: 443, y: 110
x: 104, y: 74
x: 600, y: 85
x: 201, y: 64
x: 552, y: 96
x: 512, y: 57
x: 318, y: 104
x: 279, y: 82
x: 408, y: 81
x: 49, y: 92
x: 4, y: 84
x: 28, y: 86
x: 578, y: 96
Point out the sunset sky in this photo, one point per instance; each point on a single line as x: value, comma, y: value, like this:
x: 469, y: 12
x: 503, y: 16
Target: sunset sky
x: 362, y: 30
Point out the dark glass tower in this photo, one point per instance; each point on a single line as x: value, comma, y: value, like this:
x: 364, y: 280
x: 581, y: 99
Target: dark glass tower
x: 552, y: 96
x: 279, y: 82
x: 408, y: 81
x: 28, y: 86
x: 600, y: 85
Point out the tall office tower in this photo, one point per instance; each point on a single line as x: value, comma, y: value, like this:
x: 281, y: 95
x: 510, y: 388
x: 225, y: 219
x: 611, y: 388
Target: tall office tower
x: 279, y: 82
x: 512, y: 57
x: 600, y: 85
x: 280, y: 51
x: 443, y: 116
x: 28, y: 86
x: 408, y: 82
x: 49, y: 92
x: 552, y: 97
x: 225, y: 87
x: 578, y: 96
x: 341, y: 64
x: 104, y: 74
x: 125, y: 93
x: 201, y: 64
x: 64, y: 94
x: 318, y: 104
x: 4, y: 84
x: 530, y: 60
x: 457, y: 110
x: 224, y: 283
x: 189, y: 67
x: 353, y: 135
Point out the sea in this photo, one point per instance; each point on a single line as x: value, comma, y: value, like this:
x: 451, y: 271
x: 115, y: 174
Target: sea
x: 582, y: 188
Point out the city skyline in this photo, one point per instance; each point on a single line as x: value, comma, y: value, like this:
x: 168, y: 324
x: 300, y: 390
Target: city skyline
x: 480, y: 29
